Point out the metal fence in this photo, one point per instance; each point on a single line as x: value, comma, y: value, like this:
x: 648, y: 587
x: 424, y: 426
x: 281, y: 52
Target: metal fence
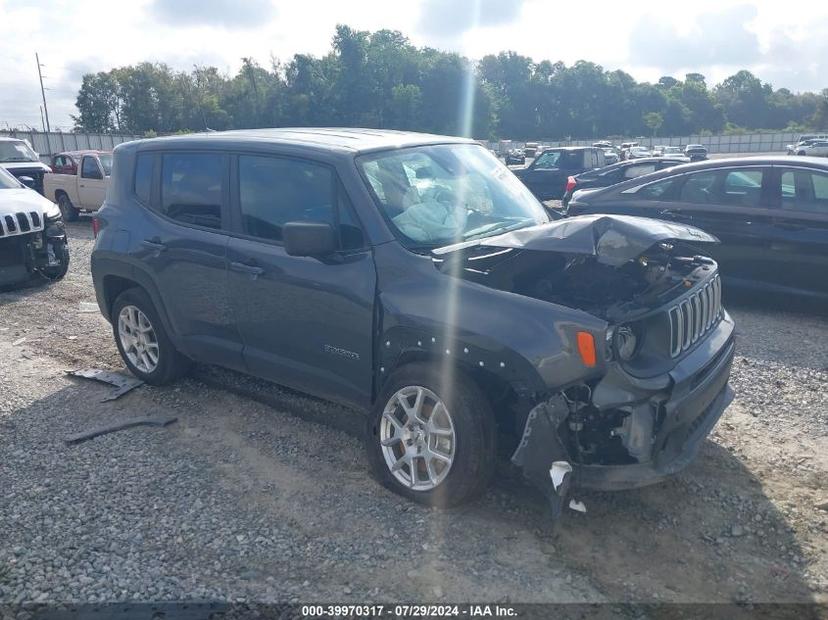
x: 47, y: 144
x: 769, y: 142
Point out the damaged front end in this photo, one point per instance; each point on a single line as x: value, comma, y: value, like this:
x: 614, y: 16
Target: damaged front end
x: 659, y: 381
x: 33, y: 246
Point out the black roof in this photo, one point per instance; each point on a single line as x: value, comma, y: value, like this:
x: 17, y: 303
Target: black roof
x: 755, y: 160
x: 819, y: 163
x: 572, y: 148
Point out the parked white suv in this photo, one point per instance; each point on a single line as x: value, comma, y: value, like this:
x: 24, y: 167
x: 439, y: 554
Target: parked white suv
x: 813, y: 148
x: 18, y: 157
x: 32, y: 237
x: 804, y: 140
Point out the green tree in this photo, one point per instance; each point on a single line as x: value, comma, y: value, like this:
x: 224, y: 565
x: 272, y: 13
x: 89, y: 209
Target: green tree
x: 654, y: 121
x: 97, y: 104
x: 380, y: 79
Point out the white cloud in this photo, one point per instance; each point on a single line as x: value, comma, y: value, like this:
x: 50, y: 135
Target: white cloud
x: 781, y: 42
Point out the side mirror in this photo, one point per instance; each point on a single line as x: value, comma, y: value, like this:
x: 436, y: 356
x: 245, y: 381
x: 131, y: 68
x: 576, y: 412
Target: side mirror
x: 309, y: 239
x: 27, y: 181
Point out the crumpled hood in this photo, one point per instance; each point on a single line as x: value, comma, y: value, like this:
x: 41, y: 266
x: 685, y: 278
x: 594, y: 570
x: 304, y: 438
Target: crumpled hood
x: 612, y: 239
x: 16, y: 165
x: 26, y: 200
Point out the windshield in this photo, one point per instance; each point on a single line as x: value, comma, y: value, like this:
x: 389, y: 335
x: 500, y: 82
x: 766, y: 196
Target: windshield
x: 16, y: 150
x: 442, y: 194
x: 106, y: 163
x: 7, y: 181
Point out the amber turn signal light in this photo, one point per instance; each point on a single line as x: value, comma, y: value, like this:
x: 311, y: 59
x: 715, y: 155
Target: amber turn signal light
x: 586, y: 347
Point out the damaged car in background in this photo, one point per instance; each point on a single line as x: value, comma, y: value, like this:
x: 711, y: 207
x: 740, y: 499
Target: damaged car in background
x: 428, y: 287
x: 32, y: 237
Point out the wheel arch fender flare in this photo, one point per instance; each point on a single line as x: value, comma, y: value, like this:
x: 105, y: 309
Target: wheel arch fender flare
x: 480, y: 357
x: 140, y: 279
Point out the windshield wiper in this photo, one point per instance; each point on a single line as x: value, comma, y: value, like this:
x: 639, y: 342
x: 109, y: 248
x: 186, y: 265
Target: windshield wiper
x: 498, y: 228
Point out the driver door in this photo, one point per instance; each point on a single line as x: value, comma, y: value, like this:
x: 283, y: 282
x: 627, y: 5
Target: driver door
x: 305, y: 322
x: 544, y: 178
x: 91, y: 184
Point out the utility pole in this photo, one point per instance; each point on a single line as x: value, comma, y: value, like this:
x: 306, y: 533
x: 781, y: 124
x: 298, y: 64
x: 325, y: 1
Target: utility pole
x: 42, y: 122
x: 42, y: 91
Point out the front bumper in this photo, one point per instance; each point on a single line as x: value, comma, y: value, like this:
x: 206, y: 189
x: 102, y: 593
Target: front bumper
x: 685, y: 404
x: 698, y: 395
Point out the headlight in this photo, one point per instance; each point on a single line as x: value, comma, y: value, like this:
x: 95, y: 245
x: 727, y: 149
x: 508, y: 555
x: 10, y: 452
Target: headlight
x: 624, y: 342
x: 54, y: 226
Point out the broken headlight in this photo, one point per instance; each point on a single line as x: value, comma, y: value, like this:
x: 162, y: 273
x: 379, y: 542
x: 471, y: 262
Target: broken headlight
x: 624, y: 342
x: 54, y: 227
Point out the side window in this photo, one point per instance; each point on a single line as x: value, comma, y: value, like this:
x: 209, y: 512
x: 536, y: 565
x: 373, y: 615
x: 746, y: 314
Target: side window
x: 660, y: 190
x: 90, y: 169
x: 191, y: 188
x: 274, y: 191
x: 742, y: 188
x: 143, y: 177
x: 632, y: 172
x: 58, y: 164
x: 805, y: 191
x: 547, y: 160
x: 698, y: 188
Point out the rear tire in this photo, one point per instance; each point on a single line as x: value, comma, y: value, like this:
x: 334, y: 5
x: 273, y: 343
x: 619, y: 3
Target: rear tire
x: 471, y: 446
x: 142, y: 340
x: 67, y: 209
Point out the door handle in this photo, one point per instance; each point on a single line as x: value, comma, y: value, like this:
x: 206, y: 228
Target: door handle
x: 253, y: 270
x: 154, y: 244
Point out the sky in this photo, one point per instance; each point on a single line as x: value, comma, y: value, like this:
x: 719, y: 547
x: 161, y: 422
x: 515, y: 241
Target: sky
x: 784, y: 43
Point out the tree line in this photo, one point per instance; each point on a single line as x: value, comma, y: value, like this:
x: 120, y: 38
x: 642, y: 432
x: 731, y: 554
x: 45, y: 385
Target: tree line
x: 381, y: 80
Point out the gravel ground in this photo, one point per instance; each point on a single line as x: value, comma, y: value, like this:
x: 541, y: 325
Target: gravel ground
x: 257, y: 494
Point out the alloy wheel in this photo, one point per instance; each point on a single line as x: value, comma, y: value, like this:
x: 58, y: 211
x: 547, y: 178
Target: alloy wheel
x: 138, y: 339
x: 417, y: 438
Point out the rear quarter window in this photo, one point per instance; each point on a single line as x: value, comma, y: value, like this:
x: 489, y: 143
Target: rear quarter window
x: 192, y: 188
x: 143, y: 177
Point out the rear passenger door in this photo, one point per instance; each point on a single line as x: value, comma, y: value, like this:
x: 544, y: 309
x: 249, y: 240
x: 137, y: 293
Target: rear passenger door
x: 734, y: 204
x: 183, y: 248
x: 799, y: 242
x: 305, y: 322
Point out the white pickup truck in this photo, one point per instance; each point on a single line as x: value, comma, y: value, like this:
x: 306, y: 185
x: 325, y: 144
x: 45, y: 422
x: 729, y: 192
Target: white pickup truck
x: 78, y: 181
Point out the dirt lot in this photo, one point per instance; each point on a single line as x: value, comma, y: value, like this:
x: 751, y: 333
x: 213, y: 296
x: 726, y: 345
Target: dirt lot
x: 258, y: 494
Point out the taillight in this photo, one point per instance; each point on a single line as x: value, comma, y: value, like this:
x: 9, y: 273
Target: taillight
x: 96, y: 227
x: 570, y: 184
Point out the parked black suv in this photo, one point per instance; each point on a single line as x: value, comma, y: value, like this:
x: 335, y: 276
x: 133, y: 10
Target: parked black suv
x: 546, y: 176
x: 415, y: 277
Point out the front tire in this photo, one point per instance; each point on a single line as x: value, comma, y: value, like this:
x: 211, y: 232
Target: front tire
x: 67, y: 209
x: 142, y: 340
x: 431, y: 440
x: 57, y: 272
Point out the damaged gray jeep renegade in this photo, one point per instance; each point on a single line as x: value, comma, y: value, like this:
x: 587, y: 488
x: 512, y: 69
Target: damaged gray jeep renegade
x: 414, y: 277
